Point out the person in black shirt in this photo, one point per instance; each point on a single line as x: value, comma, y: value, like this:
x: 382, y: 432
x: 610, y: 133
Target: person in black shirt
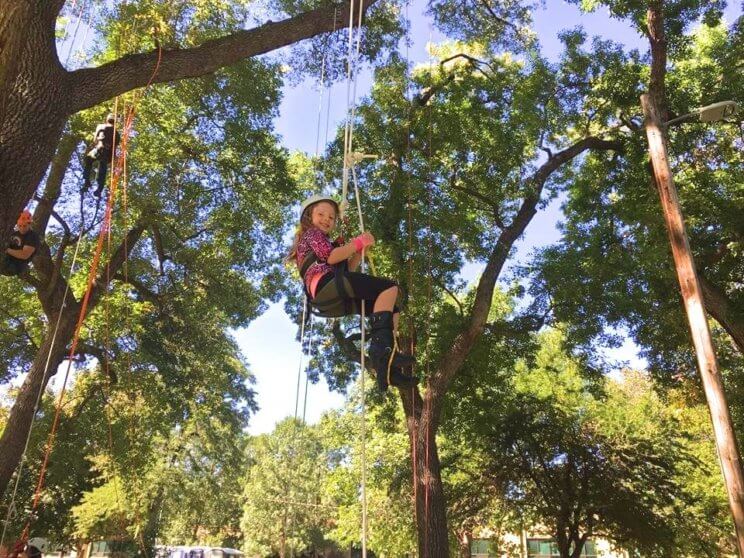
x: 105, y: 140
x: 23, y: 245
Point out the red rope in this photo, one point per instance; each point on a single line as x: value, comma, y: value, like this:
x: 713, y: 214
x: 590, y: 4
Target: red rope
x: 92, y: 274
x: 427, y: 401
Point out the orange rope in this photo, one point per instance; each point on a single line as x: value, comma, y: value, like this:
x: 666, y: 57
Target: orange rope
x: 107, y: 314
x: 92, y: 274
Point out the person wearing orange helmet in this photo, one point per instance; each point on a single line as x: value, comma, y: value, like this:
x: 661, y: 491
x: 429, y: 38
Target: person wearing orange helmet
x: 22, y: 246
x: 105, y: 139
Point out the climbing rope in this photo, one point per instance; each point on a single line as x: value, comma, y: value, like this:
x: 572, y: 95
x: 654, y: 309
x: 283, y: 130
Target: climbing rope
x: 307, y: 317
x: 92, y: 275
x: 19, y: 473
x: 349, y: 164
x: 107, y: 306
x: 427, y: 370
x: 75, y: 33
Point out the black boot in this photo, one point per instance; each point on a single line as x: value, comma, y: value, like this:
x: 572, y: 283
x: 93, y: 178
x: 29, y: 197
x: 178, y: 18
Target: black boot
x: 382, y: 351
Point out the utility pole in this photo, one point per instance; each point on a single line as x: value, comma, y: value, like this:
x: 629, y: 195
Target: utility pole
x: 715, y: 394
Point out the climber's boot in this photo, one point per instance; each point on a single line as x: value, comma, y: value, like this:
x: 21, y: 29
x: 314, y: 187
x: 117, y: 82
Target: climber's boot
x: 383, y: 353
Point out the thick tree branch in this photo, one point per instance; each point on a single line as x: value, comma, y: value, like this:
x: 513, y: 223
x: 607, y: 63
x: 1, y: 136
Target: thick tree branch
x: 496, y: 17
x: 115, y: 263
x: 53, y: 186
x: 452, y: 360
x: 21, y: 326
x: 91, y: 86
x: 720, y: 307
x: 453, y: 296
x: 146, y: 293
x: 86, y: 349
x: 159, y: 246
x: 474, y: 62
x: 422, y: 99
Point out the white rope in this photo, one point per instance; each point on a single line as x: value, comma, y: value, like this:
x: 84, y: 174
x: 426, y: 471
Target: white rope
x: 67, y: 25
x: 351, y: 88
x: 19, y: 474
x: 305, y: 316
x: 74, y: 35
x: 302, y: 354
x: 348, y: 162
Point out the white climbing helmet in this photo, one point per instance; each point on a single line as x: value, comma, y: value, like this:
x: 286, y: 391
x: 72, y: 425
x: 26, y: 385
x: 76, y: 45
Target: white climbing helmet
x: 315, y: 199
x: 41, y: 543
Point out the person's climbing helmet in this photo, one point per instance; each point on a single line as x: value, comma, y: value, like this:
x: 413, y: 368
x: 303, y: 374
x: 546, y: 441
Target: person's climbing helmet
x: 24, y: 218
x: 312, y: 200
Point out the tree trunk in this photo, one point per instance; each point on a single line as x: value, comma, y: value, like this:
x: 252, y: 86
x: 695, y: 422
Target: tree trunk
x: 22, y: 412
x: 431, y: 507
x: 423, y: 415
x: 37, y: 95
x: 33, y: 102
x: 464, y: 544
x: 13, y: 439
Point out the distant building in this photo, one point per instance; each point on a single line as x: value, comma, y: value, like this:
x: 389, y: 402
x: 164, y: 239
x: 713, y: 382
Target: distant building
x: 535, y: 545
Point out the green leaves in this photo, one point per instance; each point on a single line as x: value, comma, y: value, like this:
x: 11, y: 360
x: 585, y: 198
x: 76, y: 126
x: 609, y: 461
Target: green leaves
x: 582, y: 454
x: 284, y: 508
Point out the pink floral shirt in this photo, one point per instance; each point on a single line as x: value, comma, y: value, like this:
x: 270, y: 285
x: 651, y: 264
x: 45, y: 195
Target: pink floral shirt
x: 316, y: 241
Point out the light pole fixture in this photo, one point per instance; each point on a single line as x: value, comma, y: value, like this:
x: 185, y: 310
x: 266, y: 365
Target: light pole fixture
x: 709, y: 113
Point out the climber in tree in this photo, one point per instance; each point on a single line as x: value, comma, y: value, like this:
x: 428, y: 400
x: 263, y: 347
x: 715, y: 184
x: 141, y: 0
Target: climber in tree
x: 22, y: 246
x: 335, y: 289
x: 105, y: 141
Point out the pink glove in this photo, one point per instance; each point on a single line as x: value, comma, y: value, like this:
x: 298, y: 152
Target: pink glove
x: 363, y: 241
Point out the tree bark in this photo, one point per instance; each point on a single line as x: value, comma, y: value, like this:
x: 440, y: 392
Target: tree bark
x: 719, y: 306
x: 13, y: 439
x: 52, y: 349
x: 33, y: 100
x: 430, y: 503
x: 466, y: 539
x: 37, y: 94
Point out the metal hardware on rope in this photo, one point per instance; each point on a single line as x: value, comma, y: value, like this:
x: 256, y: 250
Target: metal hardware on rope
x: 350, y: 159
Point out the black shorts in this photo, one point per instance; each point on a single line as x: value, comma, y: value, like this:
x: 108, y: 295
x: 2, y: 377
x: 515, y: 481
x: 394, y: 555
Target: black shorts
x: 366, y: 288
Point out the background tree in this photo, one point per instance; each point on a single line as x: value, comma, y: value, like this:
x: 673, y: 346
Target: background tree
x: 391, y: 528
x: 579, y: 454
x: 38, y: 95
x: 612, y: 218
x: 473, y: 178
x: 283, y: 509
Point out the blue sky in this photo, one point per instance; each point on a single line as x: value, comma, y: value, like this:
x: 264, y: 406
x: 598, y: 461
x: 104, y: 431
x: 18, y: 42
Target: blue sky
x: 269, y: 342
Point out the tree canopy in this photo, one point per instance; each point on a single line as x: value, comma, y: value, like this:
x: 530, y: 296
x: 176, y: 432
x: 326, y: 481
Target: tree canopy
x: 520, y: 418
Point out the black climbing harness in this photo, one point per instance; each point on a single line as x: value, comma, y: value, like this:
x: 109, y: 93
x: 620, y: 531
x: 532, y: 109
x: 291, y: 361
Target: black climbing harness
x: 335, y: 298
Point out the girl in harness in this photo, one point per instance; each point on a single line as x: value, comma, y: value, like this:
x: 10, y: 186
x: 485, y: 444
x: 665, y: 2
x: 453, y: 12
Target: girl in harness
x: 335, y: 289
